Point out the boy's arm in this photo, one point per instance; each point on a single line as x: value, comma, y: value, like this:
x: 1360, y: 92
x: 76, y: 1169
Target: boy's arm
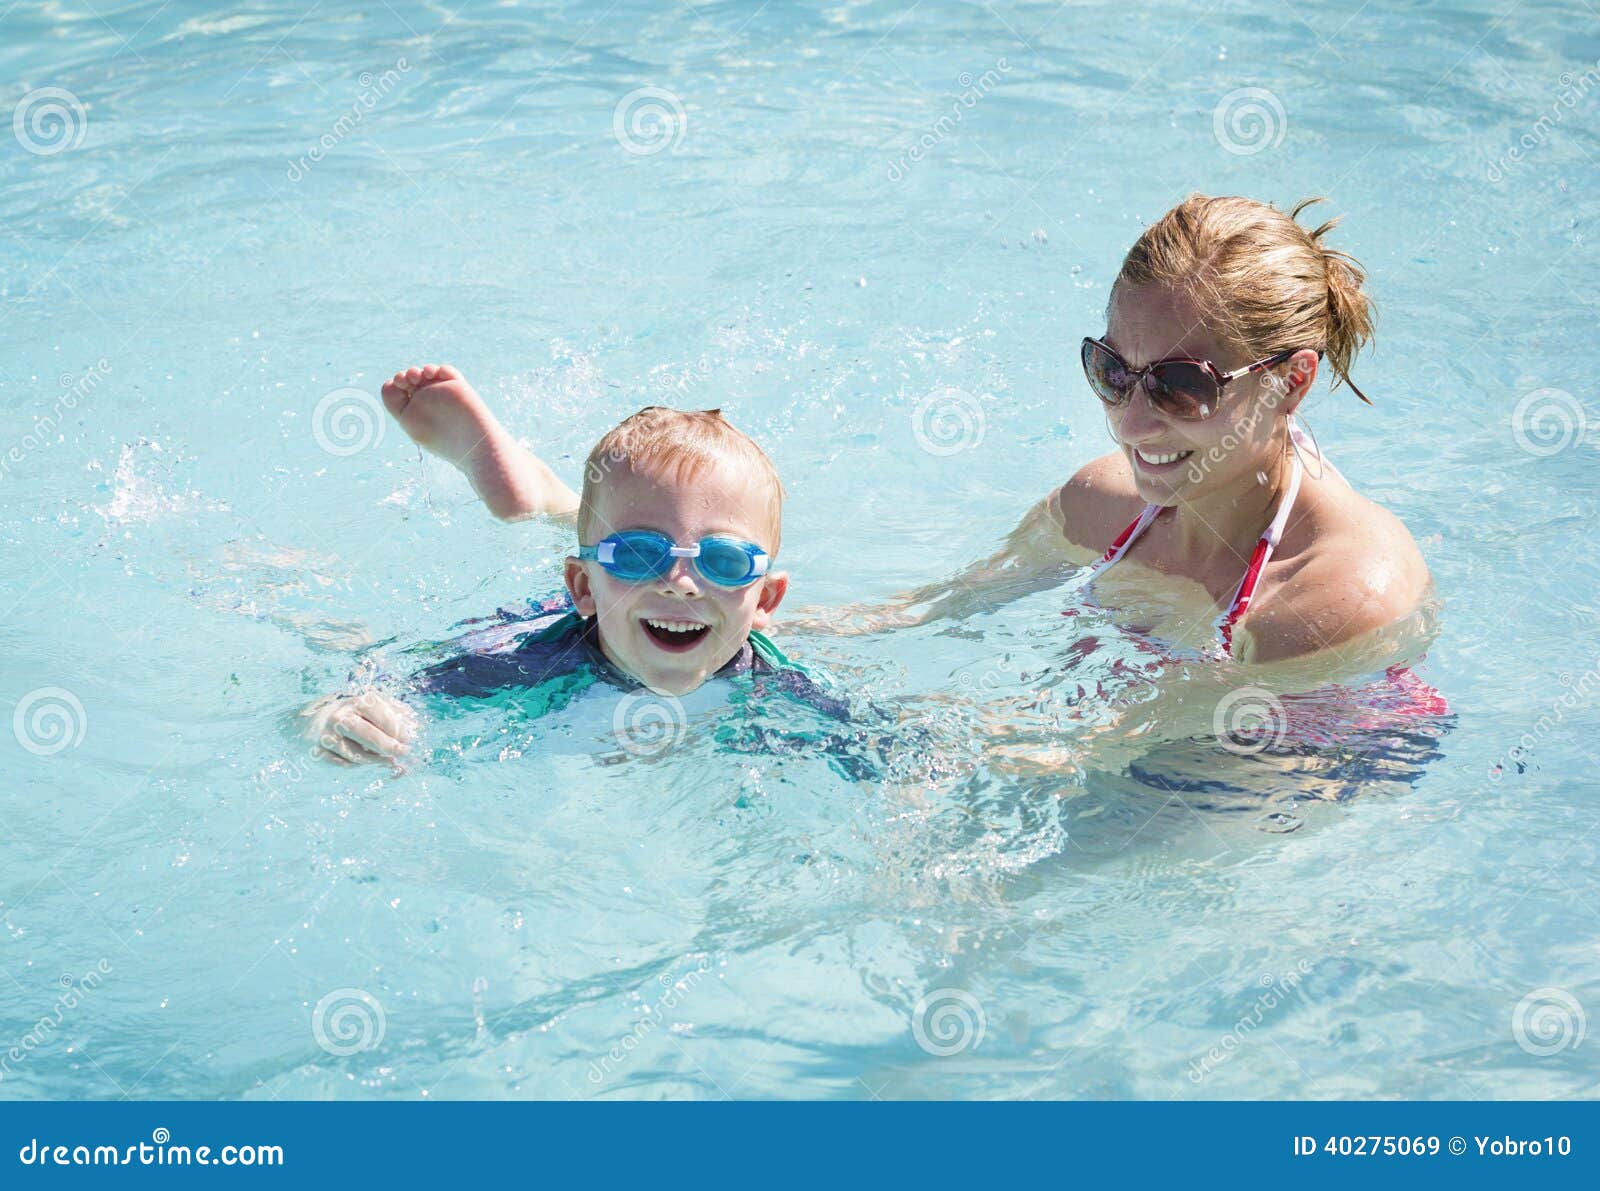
x: 370, y: 725
x: 444, y: 414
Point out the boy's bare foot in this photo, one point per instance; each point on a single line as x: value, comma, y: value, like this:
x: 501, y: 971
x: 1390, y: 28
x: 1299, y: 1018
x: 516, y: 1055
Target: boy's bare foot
x: 444, y: 414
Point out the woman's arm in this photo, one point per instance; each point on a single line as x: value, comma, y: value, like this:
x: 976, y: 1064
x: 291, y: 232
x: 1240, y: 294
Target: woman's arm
x: 1060, y: 531
x: 1031, y: 560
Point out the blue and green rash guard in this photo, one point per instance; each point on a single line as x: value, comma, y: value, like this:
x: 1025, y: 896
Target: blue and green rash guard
x: 548, y: 649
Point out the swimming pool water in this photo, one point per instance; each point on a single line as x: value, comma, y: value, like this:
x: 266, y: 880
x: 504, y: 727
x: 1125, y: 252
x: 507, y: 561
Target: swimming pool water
x: 873, y: 233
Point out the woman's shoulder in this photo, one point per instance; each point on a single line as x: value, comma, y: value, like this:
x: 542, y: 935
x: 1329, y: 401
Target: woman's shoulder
x: 1342, y: 529
x: 1097, y: 503
x: 1351, y: 569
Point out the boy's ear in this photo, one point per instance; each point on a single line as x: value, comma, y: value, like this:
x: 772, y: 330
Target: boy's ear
x: 577, y: 577
x: 773, y: 588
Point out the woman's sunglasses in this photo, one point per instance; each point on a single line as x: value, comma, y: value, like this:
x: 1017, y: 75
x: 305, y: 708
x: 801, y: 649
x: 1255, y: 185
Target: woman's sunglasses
x: 639, y: 555
x: 1187, y: 389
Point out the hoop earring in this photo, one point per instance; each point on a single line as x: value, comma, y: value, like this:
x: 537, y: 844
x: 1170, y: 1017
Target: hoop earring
x: 1105, y: 421
x: 1296, y: 426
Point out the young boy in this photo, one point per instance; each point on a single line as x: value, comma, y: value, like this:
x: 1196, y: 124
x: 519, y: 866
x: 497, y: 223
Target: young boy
x: 678, y: 524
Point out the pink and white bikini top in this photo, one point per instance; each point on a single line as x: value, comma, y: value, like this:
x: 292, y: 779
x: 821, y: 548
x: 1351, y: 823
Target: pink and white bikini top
x: 1239, y: 604
x: 1399, y: 693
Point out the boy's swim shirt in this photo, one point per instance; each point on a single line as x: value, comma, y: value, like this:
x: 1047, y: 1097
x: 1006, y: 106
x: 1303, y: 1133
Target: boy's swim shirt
x: 547, y: 646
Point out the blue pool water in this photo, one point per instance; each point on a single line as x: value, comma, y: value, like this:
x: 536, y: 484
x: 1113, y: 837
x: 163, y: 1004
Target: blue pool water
x: 873, y: 233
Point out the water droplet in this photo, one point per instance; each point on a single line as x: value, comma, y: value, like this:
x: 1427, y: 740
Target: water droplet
x: 1279, y: 823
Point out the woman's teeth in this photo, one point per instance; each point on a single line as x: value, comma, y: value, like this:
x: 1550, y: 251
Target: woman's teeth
x: 1154, y: 457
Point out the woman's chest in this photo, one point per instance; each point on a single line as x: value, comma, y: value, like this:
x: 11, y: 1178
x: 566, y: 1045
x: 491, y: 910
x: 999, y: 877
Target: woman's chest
x: 1157, y: 606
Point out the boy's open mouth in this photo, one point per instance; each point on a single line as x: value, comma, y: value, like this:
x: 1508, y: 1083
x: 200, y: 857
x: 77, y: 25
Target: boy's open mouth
x: 675, y: 636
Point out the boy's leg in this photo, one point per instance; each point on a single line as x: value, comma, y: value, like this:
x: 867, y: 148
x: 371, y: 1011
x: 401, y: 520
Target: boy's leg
x: 444, y: 414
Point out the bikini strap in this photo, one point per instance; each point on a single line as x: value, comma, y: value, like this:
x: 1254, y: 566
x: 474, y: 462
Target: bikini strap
x: 1129, y: 536
x: 1259, y: 557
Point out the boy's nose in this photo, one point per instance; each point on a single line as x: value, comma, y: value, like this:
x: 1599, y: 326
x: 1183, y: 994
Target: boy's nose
x: 681, y: 579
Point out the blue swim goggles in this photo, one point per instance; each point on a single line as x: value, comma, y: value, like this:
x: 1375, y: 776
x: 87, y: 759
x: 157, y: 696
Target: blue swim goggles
x: 638, y: 555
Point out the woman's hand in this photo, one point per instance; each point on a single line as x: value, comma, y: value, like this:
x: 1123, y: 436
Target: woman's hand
x: 366, y: 728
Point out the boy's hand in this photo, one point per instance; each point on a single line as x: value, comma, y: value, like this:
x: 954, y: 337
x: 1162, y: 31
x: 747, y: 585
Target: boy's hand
x: 360, y: 729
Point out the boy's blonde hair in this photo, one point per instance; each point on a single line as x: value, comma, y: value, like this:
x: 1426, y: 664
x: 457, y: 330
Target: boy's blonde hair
x: 1262, y: 280
x: 683, y: 445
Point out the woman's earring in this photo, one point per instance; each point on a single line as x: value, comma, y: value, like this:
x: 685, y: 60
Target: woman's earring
x: 1297, y: 431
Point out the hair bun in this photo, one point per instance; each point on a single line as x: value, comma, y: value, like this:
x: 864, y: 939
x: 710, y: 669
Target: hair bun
x: 1351, y: 313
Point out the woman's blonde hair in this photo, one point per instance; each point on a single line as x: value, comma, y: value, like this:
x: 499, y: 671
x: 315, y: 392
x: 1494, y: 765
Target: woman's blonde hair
x: 682, y: 444
x: 1262, y: 281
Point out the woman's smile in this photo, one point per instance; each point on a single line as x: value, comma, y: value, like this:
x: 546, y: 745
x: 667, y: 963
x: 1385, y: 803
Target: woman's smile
x: 1158, y: 461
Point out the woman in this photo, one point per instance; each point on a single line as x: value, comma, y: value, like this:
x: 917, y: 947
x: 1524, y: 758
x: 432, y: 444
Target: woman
x: 1215, y: 523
